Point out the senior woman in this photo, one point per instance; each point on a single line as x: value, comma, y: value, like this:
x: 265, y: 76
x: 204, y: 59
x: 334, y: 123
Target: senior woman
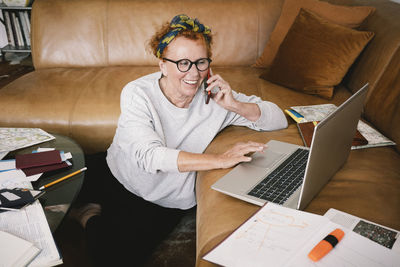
x: 167, y: 120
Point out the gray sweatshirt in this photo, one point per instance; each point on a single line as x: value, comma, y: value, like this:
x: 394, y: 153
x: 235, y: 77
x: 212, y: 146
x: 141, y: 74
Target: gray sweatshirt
x: 151, y: 132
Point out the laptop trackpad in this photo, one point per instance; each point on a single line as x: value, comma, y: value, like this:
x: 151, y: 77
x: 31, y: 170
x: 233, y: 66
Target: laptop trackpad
x: 266, y: 159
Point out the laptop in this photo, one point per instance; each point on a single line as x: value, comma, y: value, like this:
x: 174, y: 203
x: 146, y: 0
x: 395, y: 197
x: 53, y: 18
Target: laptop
x: 292, y: 175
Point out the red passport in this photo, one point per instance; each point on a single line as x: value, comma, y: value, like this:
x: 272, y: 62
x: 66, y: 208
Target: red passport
x: 306, y: 130
x: 46, y: 168
x: 25, y: 161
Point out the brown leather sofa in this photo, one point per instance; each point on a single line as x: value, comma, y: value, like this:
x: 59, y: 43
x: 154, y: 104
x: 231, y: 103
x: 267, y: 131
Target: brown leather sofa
x: 84, y: 52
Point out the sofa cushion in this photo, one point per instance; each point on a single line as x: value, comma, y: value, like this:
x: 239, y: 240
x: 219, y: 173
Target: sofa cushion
x: 349, y: 16
x: 315, y: 55
x: 379, y: 64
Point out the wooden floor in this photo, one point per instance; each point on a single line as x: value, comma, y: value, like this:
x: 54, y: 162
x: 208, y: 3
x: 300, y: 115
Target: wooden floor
x: 179, y: 249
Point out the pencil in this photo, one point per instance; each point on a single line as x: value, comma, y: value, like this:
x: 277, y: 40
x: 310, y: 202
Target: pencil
x: 11, y: 209
x: 63, y: 178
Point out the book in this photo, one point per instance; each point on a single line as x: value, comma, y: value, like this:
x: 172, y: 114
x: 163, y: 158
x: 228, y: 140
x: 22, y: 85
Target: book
x: 24, y: 28
x: 9, y: 31
x: 306, y: 130
x: 319, y: 112
x: 16, y: 251
x: 13, y: 29
x: 41, y: 169
x: 280, y: 236
x: 17, y: 29
x: 294, y: 115
x: 382, y: 235
x: 28, y: 22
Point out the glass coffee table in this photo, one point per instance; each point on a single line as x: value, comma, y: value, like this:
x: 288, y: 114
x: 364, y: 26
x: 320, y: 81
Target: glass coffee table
x: 58, y: 198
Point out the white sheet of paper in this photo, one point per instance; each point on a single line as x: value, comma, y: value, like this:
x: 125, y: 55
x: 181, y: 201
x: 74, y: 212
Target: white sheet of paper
x: 6, y: 165
x: 12, y: 176
x: 271, y: 236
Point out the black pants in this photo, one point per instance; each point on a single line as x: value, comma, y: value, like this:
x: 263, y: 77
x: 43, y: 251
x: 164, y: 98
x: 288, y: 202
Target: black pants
x: 129, y: 227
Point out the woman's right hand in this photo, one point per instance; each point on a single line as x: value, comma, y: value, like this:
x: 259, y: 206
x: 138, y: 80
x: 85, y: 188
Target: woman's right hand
x: 202, y: 162
x: 238, y: 153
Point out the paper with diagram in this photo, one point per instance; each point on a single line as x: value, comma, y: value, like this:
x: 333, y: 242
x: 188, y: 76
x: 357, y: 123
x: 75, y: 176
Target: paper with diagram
x: 280, y: 236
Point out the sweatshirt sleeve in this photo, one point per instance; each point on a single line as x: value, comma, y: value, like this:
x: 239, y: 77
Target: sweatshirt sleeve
x: 271, y: 118
x: 139, y: 141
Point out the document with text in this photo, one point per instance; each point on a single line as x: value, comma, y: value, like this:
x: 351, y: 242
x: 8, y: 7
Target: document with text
x: 30, y: 224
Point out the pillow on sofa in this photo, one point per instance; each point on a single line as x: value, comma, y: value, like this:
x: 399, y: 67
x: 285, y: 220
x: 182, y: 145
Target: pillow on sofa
x: 316, y: 54
x: 349, y: 16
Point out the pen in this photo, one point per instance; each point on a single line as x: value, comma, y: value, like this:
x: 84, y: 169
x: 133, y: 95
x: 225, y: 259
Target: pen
x: 326, y: 245
x: 63, y: 178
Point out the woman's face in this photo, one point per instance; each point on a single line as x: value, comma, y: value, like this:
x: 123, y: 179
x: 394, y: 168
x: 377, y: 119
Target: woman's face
x: 184, y: 84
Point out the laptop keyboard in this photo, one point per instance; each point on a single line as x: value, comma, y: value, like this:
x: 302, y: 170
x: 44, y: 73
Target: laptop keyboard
x: 280, y: 184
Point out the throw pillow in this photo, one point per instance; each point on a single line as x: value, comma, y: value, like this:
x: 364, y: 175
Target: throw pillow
x: 316, y: 54
x: 349, y: 16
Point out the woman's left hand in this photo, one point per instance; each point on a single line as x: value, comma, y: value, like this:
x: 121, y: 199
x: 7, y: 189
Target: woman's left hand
x: 224, y: 96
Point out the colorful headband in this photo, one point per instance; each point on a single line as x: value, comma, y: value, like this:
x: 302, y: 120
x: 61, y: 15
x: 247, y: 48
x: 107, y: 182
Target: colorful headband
x: 179, y: 23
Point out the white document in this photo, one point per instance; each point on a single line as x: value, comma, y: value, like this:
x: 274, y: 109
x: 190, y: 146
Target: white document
x: 279, y: 236
x: 30, y: 224
x: 16, y: 251
x: 382, y: 235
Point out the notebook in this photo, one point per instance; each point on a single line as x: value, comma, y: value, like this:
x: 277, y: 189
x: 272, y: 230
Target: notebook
x: 292, y: 175
x: 306, y: 130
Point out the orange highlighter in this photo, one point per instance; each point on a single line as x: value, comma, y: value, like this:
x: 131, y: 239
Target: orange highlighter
x: 326, y: 245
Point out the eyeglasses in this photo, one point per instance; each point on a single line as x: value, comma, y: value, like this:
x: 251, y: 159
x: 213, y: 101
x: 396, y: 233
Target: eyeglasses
x: 185, y: 65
